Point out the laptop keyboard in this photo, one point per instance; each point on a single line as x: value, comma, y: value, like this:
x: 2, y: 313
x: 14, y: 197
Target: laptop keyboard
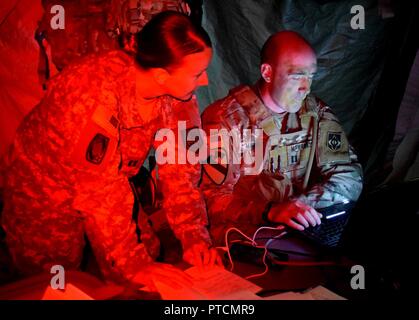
x: 328, y: 233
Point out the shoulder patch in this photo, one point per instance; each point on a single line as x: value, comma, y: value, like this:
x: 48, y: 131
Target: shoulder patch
x: 334, y: 141
x: 216, y: 166
x: 333, y: 145
x: 96, y: 150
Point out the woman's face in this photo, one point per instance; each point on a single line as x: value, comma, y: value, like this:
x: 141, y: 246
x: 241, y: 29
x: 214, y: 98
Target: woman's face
x: 188, y: 75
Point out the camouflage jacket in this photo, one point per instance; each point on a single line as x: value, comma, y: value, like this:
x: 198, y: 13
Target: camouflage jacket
x: 335, y: 176
x: 77, y: 148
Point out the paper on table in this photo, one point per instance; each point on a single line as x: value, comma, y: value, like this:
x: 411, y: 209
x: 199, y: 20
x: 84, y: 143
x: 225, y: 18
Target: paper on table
x: 219, y: 281
x: 214, y: 283
x: 290, y: 296
x: 318, y: 293
x: 239, y: 295
x: 321, y: 293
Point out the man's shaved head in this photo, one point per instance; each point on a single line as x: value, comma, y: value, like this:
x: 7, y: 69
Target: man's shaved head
x: 283, y: 45
x: 288, y: 63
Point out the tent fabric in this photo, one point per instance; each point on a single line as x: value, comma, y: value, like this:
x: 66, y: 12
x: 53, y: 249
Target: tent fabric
x: 349, y: 61
x: 403, y: 151
x: 20, y: 88
x: 21, y: 74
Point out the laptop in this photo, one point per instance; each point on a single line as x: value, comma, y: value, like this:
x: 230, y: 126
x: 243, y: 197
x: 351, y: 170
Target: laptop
x: 329, y: 233
x: 325, y: 236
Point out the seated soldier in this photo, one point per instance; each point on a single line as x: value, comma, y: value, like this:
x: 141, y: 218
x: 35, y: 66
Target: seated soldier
x: 307, y: 161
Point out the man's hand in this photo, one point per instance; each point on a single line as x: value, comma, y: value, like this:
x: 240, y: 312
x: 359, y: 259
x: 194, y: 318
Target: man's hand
x: 164, y: 273
x: 295, y: 214
x: 201, y: 256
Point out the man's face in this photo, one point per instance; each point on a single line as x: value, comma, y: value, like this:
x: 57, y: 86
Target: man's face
x: 188, y: 75
x: 291, y: 80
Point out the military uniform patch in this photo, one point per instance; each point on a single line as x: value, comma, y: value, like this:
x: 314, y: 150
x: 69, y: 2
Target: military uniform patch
x: 97, y: 148
x: 334, y: 141
x: 333, y: 146
x: 98, y: 139
x: 289, y: 158
x: 188, y: 142
x: 216, y: 167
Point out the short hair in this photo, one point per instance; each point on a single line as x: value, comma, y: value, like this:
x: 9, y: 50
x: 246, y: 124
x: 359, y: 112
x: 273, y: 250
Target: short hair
x: 281, y: 43
x: 167, y: 38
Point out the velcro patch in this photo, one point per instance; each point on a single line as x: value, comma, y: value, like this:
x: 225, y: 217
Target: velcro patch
x: 97, y: 148
x: 333, y: 146
x: 105, y: 119
x: 216, y: 167
x: 334, y: 141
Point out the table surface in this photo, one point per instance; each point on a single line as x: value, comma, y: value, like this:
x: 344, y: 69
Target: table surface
x: 284, y: 278
x: 278, y: 279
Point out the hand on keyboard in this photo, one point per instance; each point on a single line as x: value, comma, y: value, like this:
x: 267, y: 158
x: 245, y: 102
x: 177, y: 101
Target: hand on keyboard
x: 295, y: 214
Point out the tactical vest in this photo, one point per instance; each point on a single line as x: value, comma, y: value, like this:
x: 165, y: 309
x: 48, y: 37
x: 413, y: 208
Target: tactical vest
x: 287, y: 154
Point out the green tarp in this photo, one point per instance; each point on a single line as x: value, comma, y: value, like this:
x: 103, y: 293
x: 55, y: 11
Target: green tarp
x: 349, y: 61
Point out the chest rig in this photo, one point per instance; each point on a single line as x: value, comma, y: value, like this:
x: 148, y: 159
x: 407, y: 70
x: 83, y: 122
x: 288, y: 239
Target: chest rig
x: 289, y: 140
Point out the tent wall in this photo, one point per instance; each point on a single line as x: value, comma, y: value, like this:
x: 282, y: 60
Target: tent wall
x: 349, y: 61
x: 20, y: 88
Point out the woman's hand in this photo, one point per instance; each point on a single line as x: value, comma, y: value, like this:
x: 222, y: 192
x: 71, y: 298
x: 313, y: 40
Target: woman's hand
x: 202, y: 256
x: 164, y: 273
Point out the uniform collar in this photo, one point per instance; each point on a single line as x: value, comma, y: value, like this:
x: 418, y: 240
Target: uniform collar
x: 247, y: 97
x: 135, y: 111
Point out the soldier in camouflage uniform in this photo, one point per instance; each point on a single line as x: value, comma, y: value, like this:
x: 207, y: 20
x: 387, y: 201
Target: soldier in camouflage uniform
x: 67, y: 171
x: 93, y: 26
x: 130, y: 16
x: 308, y: 162
x: 127, y: 17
